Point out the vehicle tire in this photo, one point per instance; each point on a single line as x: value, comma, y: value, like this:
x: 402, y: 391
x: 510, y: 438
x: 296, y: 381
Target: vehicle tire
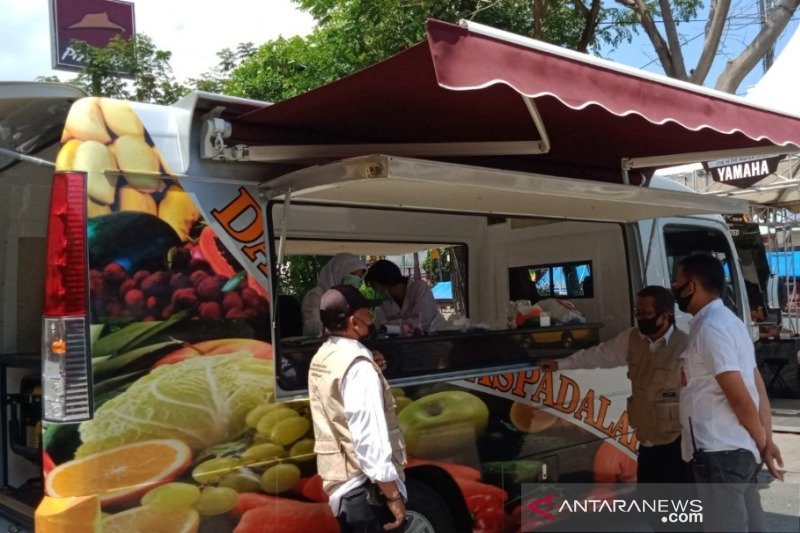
x: 427, y: 511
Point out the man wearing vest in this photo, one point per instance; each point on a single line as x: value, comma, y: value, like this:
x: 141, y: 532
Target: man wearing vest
x: 359, y: 446
x: 652, y: 352
x: 725, y: 413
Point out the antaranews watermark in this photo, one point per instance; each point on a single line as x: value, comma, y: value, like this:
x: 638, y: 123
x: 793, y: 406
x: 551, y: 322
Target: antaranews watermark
x: 647, y: 507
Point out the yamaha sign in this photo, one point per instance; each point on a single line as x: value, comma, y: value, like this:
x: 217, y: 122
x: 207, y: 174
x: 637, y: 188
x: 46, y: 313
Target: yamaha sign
x: 742, y: 171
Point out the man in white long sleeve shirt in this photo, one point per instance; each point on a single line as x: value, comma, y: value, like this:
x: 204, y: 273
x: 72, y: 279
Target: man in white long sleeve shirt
x: 358, y: 441
x: 652, y: 352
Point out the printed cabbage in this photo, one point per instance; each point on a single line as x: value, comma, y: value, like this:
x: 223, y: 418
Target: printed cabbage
x: 201, y: 401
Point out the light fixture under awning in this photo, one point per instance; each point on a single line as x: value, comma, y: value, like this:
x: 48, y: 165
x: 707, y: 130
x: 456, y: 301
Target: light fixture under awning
x: 393, y: 182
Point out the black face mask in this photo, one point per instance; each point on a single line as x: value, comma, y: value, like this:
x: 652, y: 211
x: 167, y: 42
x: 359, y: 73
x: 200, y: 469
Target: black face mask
x: 372, y: 330
x: 682, y: 301
x: 648, y: 326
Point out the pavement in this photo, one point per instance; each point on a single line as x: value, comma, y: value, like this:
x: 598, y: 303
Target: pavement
x: 781, y: 501
x: 785, y: 415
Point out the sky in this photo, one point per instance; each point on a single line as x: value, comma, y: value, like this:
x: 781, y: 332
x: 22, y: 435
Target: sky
x: 741, y: 30
x: 195, y: 30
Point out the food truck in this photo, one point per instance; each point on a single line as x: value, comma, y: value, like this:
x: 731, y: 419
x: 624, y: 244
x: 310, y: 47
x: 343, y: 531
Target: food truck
x: 173, y: 368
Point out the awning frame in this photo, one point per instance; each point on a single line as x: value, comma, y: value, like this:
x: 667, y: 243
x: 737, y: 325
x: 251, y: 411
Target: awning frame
x: 375, y: 181
x: 294, y: 131
x: 215, y: 130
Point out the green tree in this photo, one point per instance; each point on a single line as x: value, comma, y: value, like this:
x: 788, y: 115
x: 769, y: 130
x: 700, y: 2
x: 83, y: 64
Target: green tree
x: 437, y: 265
x: 668, y: 42
x: 298, y: 274
x: 214, y: 80
x: 133, y: 69
x: 352, y: 34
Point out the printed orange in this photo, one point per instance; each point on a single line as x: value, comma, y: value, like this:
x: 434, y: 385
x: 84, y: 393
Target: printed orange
x: 121, y: 473
x: 146, y: 519
x: 68, y: 515
x: 530, y: 419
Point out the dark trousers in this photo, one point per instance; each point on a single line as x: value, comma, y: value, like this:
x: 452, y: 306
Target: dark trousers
x: 663, y: 464
x: 729, y: 490
x: 358, y: 516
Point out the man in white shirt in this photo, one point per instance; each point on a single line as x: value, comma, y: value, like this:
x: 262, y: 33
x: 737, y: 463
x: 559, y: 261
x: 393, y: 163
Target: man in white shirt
x: 652, y: 352
x: 359, y: 446
x: 725, y: 414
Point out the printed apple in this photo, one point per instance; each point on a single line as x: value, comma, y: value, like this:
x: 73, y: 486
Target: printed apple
x: 449, y: 418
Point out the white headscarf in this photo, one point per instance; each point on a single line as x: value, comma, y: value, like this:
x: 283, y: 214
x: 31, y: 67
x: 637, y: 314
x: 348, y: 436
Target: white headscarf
x: 337, y: 268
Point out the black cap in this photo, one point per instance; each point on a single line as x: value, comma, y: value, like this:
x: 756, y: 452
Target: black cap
x: 340, y: 302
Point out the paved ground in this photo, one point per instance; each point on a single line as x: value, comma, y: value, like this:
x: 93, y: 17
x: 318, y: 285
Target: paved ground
x: 781, y: 501
x: 785, y: 415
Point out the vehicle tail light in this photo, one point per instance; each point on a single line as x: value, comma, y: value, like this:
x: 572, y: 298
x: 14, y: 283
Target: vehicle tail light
x: 66, y: 361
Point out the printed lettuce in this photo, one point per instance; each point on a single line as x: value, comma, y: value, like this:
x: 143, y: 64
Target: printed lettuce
x: 201, y: 401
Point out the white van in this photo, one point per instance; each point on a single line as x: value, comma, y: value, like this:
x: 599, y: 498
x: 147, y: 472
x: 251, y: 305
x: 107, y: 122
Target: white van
x: 176, y: 268
x: 175, y: 234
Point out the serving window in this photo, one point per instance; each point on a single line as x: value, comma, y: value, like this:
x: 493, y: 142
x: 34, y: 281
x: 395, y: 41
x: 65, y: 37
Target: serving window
x: 458, y: 344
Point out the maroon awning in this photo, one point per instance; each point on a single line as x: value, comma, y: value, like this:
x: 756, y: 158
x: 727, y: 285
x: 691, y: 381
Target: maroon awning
x: 468, y: 85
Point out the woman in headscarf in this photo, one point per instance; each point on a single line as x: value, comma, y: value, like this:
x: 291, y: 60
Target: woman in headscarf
x: 342, y: 269
x: 406, y: 302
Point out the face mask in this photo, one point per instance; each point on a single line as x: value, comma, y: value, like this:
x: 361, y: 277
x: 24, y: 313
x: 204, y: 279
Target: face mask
x: 648, y: 326
x: 372, y: 330
x: 682, y: 301
x: 352, y: 280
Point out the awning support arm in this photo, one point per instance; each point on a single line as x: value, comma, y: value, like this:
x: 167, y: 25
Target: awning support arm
x: 650, y: 246
x: 287, y: 201
x: 662, y: 161
x: 626, y: 178
x: 544, y: 143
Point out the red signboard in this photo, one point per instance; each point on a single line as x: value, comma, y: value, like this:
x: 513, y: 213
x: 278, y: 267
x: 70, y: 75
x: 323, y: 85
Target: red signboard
x: 93, y: 21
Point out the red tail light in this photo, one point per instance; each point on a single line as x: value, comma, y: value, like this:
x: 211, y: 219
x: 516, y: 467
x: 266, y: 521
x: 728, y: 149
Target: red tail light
x: 66, y: 362
x: 65, y: 285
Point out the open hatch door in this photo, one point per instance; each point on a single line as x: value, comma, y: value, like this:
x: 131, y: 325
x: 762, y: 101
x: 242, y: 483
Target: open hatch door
x: 394, y: 182
x: 32, y: 116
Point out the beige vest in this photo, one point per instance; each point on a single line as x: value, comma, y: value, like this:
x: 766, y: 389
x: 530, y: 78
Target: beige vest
x: 336, y: 459
x: 655, y: 382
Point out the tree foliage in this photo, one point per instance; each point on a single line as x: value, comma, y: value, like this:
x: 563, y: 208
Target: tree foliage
x: 437, y: 265
x: 214, y: 80
x: 298, y: 274
x: 352, y: 34
x: 133, y: 69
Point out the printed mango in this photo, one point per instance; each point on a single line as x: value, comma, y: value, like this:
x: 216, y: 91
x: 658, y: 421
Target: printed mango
x: 177, y: 209
x: 131, y: 199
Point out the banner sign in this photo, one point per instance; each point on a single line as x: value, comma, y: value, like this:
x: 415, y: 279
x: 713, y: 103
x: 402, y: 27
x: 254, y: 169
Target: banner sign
x: 742, y: 172
x: 93, y: 21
